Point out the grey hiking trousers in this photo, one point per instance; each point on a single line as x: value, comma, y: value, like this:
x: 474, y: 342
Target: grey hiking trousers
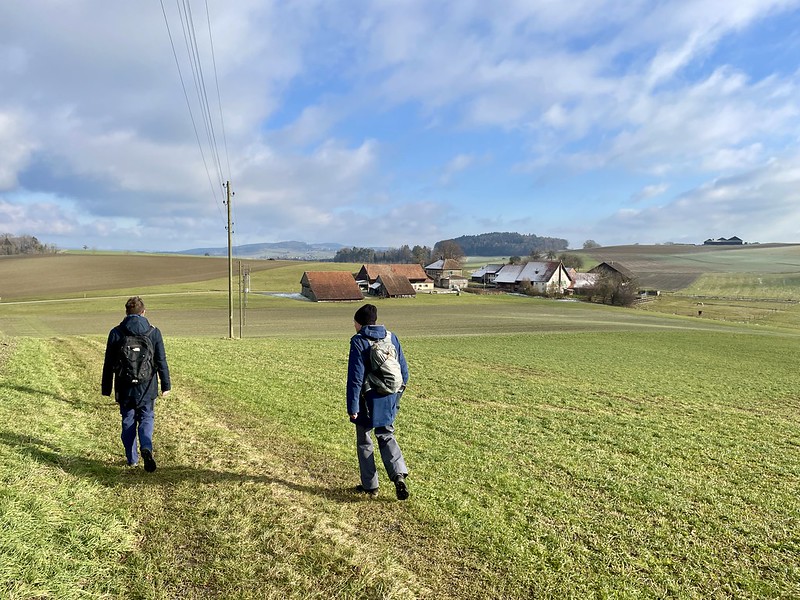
x: 390, y: 454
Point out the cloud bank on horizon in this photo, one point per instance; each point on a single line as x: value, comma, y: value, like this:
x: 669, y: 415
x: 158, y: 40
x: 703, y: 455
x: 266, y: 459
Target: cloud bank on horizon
x: 396, y: 123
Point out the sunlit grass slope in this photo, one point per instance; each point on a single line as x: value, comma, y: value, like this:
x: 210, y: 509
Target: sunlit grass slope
x: 557, y: 449
x: 542, y: 465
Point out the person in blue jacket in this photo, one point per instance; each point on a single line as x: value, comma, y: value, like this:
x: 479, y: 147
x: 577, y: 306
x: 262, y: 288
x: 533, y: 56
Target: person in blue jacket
x: 136, y: 401
x: 369, y: 410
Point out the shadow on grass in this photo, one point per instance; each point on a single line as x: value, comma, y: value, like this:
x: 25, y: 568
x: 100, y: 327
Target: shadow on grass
x: 119, y: 475
x: 27, y: 390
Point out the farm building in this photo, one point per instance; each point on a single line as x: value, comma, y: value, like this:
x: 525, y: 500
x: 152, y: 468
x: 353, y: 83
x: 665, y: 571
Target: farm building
x: 330, y: 286
x: 544, y: 277
x: 391, y: 285
x: 446, y: 273
x: 415, y: 274
x: 732, y: 241
x: 613, y: 269
x: 453, y: 282
x: 582, y: 282
x: 487, y: 273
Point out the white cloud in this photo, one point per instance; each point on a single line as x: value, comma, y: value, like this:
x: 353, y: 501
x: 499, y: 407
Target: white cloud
x: 759, y: 205
x: 15, y: 148
x: 325, y: 103
x: 45, y: 218
x: 456, y: 165
x: 649, y: 191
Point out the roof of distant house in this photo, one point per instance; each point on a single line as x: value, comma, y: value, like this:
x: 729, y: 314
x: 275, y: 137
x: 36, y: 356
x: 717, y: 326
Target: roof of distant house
x: 490, y: 269
x: 412, y: 272
x: 584, y: 280
x: 396, y: 285
x: 447, y: 264
x: 535, y: 272
x: 614, y: 266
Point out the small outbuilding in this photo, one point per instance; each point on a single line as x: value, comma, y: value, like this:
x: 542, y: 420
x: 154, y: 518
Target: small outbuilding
x: 389, y: 285
x: 584, y: 282
x: 487, y: 273
x: 613, y: 269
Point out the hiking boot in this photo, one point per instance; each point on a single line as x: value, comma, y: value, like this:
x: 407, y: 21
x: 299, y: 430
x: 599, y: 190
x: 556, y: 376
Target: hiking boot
x: 149, y: 461
x: 373, y: 493
x: 400, y: 487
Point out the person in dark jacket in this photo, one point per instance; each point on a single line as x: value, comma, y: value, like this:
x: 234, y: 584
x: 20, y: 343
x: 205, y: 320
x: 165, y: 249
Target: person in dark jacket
x: 136, y: 401
x: 369, y: 410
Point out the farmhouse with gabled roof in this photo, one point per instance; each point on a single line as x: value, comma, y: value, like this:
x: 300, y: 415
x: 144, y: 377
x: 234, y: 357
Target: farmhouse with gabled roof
x: 414, y: 273
x: 446, y: 273
x: 330, y: 286
x: 543, y: 276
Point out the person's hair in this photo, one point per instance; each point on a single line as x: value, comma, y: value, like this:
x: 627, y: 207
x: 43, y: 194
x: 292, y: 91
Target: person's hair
x: 134, y: 306
x: 366, y: 315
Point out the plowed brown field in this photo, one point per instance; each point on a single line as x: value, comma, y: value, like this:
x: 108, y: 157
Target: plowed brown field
x: 67, y: 274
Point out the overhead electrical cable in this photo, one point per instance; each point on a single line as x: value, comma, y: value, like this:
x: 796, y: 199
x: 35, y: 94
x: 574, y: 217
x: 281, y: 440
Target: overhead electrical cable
x: 193, y: 52
x: 196, y: 64
x: 214, y: 190
x: 221, y: 119
x: 219, y: 97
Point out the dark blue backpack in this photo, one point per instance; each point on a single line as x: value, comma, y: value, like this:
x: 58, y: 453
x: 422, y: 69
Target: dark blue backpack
x: 135, y: 359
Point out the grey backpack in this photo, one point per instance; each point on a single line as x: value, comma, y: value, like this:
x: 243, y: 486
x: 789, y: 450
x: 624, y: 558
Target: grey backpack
x: 385, y: 376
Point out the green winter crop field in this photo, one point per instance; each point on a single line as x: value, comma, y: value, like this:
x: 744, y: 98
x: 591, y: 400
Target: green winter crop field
x: 556, y: 450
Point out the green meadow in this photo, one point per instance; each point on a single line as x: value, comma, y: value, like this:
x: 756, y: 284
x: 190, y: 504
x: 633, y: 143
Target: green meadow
x: 556, y: 449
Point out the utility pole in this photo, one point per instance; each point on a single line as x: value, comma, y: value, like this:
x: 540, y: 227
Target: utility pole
x: 230, y: 263
x: 246, y: 283
x: 241, y: 309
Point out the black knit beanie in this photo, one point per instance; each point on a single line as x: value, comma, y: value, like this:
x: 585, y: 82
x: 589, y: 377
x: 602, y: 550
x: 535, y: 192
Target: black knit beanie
x: 366, y: 315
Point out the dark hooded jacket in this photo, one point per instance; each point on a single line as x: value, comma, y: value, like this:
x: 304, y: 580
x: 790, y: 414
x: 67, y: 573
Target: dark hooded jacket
x: 373, y: 410
x: 129, y: 395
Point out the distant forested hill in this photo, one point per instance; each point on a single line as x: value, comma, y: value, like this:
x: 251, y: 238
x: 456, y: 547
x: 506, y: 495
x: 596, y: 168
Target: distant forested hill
x: 508, y: 244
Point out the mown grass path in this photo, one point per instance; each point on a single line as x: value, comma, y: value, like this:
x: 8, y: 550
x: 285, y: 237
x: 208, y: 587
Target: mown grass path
x: 234, y: 509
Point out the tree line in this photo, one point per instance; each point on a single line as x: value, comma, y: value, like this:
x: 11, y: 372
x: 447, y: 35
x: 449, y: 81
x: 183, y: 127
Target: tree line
x: 447, y: 249
x: 405, y: 254
x: 11, y: 245
x: 508, y: 243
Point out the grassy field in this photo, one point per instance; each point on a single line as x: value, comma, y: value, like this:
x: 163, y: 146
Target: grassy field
x: 676, y: 267
x: 556, y: 449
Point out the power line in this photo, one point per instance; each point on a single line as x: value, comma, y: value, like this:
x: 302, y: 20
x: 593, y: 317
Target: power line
x: 190, y: 40
x: 193, y: 53
x: 219, y: 98
x: 196, y: 64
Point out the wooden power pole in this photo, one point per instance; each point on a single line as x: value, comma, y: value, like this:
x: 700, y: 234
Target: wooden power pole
x: 230, y: 263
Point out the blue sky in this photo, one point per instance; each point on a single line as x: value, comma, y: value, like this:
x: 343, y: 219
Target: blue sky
x: 404, y: 122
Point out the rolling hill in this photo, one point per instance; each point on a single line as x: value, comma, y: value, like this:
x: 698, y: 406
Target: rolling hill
x: 281, y: 250
x: 675, y: 267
